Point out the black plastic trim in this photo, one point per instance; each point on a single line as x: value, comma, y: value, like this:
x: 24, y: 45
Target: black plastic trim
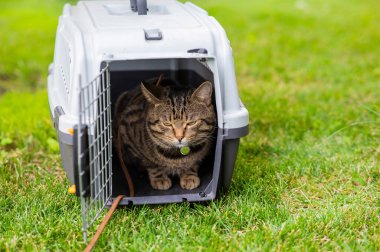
x: 81, y: 174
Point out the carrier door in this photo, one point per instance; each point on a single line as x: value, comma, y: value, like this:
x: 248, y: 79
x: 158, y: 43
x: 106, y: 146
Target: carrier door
x: 93, y: 149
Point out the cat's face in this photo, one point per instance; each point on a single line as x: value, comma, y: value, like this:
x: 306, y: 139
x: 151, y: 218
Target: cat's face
x: 178, y: 118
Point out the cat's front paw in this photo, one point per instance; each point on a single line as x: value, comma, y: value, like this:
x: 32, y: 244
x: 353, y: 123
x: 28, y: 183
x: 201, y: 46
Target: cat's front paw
x: 161, y: 183
x: 189, y: 182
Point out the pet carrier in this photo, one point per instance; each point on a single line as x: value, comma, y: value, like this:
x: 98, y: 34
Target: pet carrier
x: 104, y: 48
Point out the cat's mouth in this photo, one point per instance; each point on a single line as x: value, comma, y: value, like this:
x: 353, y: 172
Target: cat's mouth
x: 181, y: 144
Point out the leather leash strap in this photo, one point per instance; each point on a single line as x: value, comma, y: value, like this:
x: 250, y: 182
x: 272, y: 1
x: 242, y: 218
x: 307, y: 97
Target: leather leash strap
x: 94, y: 239
x: 123, y: 166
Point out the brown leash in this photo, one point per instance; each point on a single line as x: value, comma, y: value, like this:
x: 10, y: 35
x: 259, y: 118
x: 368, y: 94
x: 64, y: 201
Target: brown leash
x: 99, y: 231
x: 159, y: 79
x: 123, y: 166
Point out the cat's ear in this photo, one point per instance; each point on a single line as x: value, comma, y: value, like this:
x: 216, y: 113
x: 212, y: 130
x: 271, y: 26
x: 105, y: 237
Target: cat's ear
x: 203, y: 93
x: 150, y: 94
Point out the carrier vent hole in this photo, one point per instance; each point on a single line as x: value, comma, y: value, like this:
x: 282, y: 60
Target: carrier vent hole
x: 64, y: 80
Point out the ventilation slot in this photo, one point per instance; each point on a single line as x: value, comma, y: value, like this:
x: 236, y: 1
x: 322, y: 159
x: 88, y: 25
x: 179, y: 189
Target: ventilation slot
x: 64, y: 80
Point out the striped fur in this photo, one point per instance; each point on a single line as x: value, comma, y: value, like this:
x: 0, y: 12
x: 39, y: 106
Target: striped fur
x: 156, y: 121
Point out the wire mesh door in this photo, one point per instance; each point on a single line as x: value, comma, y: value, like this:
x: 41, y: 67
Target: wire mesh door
x: 93, y: 136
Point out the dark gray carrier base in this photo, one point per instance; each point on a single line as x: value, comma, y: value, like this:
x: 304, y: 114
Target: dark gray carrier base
x: 215, y: 174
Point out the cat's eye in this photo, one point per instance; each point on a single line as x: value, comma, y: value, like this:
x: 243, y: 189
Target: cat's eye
x: 192, y: 123
x: 167, y: 124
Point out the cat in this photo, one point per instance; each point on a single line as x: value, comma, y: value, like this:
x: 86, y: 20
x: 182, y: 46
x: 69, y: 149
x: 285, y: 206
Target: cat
x: 166, y: 130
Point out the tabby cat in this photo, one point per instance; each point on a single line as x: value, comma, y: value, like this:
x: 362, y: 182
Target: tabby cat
x: 157, y: 122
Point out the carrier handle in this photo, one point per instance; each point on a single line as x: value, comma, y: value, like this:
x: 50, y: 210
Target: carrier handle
x: 140, y: 6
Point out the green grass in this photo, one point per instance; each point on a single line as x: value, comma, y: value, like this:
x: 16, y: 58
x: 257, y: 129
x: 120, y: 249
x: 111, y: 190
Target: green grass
x: 27, y: 42
x: 307, y: 176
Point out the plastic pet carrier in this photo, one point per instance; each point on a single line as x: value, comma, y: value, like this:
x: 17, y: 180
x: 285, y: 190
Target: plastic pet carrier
x: 104, y: 48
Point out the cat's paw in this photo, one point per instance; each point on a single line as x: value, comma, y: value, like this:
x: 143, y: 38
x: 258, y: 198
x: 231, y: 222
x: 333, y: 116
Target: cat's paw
x: 161, y: 183
x: 189, y: 182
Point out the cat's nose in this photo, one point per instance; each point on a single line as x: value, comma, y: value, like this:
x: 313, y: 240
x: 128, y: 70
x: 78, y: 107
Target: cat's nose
x: 179, y: 137
x: 179, y: 131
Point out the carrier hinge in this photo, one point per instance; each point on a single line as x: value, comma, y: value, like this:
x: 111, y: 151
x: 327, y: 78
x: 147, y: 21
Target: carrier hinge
x: 58, y: 111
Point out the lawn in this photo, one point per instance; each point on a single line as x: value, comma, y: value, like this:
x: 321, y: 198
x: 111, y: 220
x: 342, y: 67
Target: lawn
x: 307, y: 175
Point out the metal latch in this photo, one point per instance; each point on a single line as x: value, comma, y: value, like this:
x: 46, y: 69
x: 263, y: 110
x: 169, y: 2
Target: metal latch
x: 153, y: 34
